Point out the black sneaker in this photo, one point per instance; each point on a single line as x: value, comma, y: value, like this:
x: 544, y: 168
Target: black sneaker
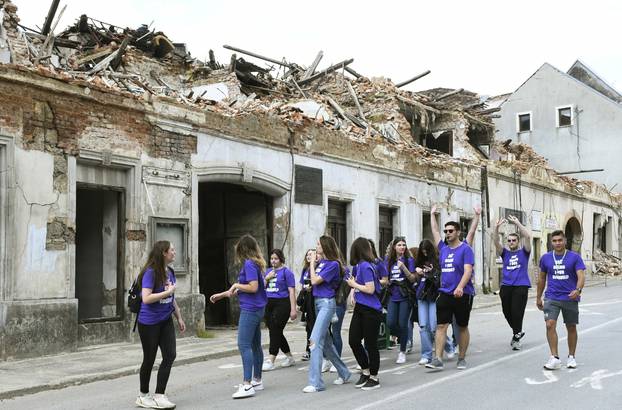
x: 305, y: 357
x: 362, y: 380
x: 371, y: 384
x: 519, y: 336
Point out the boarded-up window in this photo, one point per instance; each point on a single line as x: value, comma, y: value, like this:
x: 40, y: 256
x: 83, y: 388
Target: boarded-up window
x: 308, y: 185
x: 564, y: 116
x: 336, y: 224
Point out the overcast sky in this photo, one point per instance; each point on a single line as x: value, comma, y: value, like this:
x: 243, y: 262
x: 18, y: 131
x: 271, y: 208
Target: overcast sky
x: 489, y: 47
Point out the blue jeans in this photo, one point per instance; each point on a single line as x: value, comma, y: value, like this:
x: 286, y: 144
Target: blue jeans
x: 249, y: 343
x: 427, y: 329
x: 336, y: 328
x: 398, y: 318
x: 321, y: 344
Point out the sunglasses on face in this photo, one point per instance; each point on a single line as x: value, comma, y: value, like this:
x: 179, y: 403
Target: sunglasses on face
x: 512, y: 240
x: 449, y: 231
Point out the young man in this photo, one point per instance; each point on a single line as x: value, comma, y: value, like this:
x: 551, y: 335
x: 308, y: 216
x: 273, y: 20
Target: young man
x: 565, y: 272
x: 456, y: 291
x: 515, y: 283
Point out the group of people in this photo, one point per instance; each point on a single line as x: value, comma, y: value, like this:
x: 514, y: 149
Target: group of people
x: 431, y: 284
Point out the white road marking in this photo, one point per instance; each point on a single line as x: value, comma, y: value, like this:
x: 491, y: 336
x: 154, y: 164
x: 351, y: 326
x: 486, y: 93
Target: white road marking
x: 475, y: 369
x: 229, y: 366
x: 599, y: 303
x: 548, y: 375
x: 408, y: 366
x: 595, y: 380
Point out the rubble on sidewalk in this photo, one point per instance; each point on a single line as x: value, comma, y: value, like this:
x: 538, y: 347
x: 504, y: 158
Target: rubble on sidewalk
x: 607, y: 265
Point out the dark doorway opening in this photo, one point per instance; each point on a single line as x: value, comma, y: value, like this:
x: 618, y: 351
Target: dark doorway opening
x: 226, y: 212
x: 385, y: 227
x: 99, y: 252
x: 574, y: 235
x: 337, y: 223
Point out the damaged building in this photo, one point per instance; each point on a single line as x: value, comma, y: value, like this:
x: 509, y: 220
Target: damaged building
x: 113, y: 138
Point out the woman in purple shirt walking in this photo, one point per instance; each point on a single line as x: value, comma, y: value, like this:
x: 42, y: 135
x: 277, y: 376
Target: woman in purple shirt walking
x: 155, y: 323
x: 251, y: 291
x: 281, y: 291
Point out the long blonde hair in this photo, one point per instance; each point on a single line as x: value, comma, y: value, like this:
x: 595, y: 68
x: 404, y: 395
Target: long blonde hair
x: 248, y: 248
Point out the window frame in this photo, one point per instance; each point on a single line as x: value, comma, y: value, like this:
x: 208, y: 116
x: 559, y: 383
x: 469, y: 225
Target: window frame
x: 518, y: 115
x: 562, y: 107
x: 181, y: 267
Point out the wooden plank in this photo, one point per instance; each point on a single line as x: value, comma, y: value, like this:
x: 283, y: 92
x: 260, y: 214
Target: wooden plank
x: 48, y: 20
x: 313, y: 65
x: 417, y: 104
x: 326, y: 71
x: 259, y: 56
x: 356, y: 100
x: 415, y: 78
x: 114, y: 64
x: 354, y: 73
x: 102, y: 65
x: 449, y: 94
x: 94, y: 56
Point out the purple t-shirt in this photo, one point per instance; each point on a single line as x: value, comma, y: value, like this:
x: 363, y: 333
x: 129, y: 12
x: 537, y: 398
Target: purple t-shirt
x: 152, y: 313
x: 381, y: 268
x: 252, y: 302
x: 396, y: 277
x: 452, y: 262
x: 515, y: 267
x: 278, y: 286
x: 561, y: 274
x: 329, y: 271
x: 304, y: 275
x: 363, y: 273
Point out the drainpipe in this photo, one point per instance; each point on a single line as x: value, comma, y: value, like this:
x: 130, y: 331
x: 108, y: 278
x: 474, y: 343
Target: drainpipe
x: 485, y: 201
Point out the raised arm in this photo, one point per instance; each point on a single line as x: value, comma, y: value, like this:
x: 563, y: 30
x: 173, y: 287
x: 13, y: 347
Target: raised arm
x: 524, y: 233
x: 473, y: 228
x: 436, y: 234
x: 495, y: 236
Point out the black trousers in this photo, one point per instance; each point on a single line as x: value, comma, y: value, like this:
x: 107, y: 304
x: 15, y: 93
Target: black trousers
x: 277, y: 315
x: 151, y: 336
x: 513, y: 302
x: 365, y: 325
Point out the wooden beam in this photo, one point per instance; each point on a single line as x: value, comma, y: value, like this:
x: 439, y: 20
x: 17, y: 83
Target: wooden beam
x: 344, y: 114
x: 449, y: 94
x: 417, y: 104
x: 259, y: 56
x: 327, y: 71
x: 313, y: 65
x: 50, y: 17
x: 354, y: 73
x: 103, y: 64
x: 94, y: 56
x: 232, y: 63
x: 489, y: 111
x: 356, y: 100
x: 114, y: 64
x: 415, y: 78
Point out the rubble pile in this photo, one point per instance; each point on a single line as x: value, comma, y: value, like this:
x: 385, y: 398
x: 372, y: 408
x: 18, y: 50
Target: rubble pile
x: 605, y: 264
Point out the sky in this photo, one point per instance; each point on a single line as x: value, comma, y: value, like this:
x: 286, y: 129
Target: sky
x: 489, y: 47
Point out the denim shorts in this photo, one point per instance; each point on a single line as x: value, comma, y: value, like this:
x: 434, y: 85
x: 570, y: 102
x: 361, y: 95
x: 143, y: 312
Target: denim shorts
x: 569, y: 309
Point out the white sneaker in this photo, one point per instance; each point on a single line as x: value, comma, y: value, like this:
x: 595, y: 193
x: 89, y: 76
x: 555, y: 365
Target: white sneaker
x: 162, y: 402
x: 339, y: 381
x: 146, y: 401
x: 309, y: 389
x: 401, y: 358
x: 333, y: 369
x: 257, y: 385
x: 571, y: 363
x: 553, y: 364
x: 267, y: 366
x: 424, y: 361
x: 244, y: 390
x: 325, y: 366
x: 288, y: 362
x: 450, y: 355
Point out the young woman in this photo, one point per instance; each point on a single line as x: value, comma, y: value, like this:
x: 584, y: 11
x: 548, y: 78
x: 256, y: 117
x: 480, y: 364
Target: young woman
x: 367, y: 313
x: 251, y: 291
x: 379, y: 264
x: 281, y: 291
x: 308, y: 304
x: 401, y: 266
x: 155, y: 323
x: 429, y: 272
x: 326, y: 275
x: 335, y: 326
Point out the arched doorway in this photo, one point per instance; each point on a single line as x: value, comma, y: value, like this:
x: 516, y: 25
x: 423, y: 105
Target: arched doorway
x: 574, y: 234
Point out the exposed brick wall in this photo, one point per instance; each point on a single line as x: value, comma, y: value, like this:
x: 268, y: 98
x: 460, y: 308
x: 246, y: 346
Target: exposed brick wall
x: 136, y: 235
x: 59, y: 234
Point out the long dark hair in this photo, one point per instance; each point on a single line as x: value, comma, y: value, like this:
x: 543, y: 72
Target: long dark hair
x: 393, y: 252
x: 331, y: 251
x: 248, y: 248
x: 430, y: 258
x: 373, y: 249
x: 360, y: 251
x: 156, y: 262
x: 305, y: 263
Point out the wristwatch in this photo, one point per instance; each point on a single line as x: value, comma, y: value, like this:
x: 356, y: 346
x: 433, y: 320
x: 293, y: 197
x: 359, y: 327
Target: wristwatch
x: 579, y: 290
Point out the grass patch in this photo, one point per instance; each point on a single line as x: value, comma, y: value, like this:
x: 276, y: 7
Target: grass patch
x: 205, y: 334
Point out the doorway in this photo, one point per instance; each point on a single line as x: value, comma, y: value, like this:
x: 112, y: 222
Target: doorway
x: 574, y: 235
x: 99, y: 252
x: 226, y: 212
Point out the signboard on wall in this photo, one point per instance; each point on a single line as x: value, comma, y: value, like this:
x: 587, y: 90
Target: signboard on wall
x: 505, y: 212
x: 551, y: 223
x: 536, y: 220
x: 308, y: 187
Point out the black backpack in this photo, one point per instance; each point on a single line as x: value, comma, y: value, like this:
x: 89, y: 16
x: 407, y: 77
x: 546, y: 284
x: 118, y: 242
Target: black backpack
x: 135, y: 299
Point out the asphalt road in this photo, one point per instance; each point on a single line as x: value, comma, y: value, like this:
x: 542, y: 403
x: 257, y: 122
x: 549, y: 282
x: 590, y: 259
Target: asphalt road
x: 497, y: 378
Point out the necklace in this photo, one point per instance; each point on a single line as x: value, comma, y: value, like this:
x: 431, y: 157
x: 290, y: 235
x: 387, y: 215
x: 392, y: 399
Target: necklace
x: 560, y: 261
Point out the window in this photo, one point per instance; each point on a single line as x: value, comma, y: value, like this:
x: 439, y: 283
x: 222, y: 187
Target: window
x: 564, y: 116
x: 523, y: 122
x: 175, y: 231
x: 465, y: 224
x: 426, y: 229
x: 385, y: 227
x: 336, y: 224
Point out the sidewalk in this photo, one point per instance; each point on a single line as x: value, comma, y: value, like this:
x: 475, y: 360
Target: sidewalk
x: 102, y: 362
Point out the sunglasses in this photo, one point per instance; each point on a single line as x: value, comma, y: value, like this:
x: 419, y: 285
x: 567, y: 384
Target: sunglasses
x: 449, y: 230
x: 512, y: 240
